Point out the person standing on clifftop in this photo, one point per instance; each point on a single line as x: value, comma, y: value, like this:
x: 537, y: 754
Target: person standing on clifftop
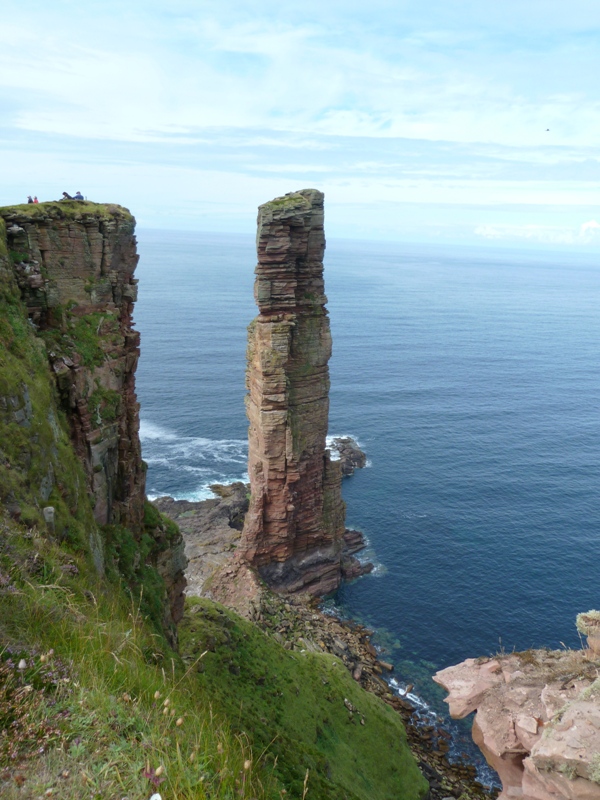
x: 78, y: 196
x: 35, y: 200
x: 29, y: 199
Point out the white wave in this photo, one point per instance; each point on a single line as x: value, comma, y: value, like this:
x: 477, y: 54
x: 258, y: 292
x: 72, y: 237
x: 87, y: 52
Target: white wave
x: 334, y: 453
x: 329, y: 439
x: 152, y: 431
x: 196, y: 470
x: 157, y: 461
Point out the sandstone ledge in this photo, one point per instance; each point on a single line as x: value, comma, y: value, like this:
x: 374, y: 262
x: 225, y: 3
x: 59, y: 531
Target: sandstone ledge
x: 537, y: 720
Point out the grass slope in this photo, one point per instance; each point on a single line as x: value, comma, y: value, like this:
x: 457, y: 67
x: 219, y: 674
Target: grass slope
x: 302, y: 709
x: 93, y: 704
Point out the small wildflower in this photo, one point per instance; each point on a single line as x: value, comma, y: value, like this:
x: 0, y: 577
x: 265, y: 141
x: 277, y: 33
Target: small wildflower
x: 192, y: 756
x: 172, y: 712
x: 156, y: 694
x: 43, y: 658
x: 127, y: 697
x: 179, y: 721
x: 49, y: 654
x: 22, y: 664
x: 165, y: 710
x: 166, y: 703
x: 247, y: 764
x: 219, y: 748
x: 159, y: 771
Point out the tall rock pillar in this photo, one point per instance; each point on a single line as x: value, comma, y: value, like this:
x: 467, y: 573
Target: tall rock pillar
x: 293, y: 530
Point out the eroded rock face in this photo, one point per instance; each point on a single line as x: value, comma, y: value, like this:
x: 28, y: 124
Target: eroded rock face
x: 74, y: 264
x: 295, y: 523
x: 537, y: 720
x: 211, y: 529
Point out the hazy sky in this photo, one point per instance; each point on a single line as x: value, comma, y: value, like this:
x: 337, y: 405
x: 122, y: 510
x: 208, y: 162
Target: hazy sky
x: 419, y: 120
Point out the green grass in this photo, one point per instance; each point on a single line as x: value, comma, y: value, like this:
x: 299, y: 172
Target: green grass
x: 100, y: 718
x: 65, y: 209
x: 292, y: 706
x: 88, y: 715
x: 35, y: 449
x: 90, y: 335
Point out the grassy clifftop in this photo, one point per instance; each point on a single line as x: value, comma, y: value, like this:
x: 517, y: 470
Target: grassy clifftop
x: 65, y: 209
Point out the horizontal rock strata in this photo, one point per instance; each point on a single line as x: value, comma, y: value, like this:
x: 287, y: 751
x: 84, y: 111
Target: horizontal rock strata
x: 74, y: 264
x: 537, y: 720
x: 294, y: 527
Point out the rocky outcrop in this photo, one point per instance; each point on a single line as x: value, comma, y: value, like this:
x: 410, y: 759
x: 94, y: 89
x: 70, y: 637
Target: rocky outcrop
x: 537, y: 720
x: 74, y: 264
x: 294, y: 527
x: 346, y: 450
x: 211, y: 529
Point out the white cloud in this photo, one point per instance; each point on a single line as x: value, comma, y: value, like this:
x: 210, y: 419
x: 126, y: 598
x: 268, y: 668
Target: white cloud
x: 587, y: 233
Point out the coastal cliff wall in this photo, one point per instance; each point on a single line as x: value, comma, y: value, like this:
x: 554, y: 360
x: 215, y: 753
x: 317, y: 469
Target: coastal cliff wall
x: 69, y: 416
x: 295, y: 524
x: 74, y: 267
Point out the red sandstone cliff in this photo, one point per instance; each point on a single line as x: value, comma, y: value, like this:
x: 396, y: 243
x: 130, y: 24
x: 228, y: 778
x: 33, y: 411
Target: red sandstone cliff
x: 294, y: 527
x: 74, y: 264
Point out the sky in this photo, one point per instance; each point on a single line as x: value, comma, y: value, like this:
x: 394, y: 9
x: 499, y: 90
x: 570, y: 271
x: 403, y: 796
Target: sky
x: 460, y: 121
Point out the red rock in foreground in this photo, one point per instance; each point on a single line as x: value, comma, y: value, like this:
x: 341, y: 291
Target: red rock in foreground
x: 294, y: 528
x: 537, y: 721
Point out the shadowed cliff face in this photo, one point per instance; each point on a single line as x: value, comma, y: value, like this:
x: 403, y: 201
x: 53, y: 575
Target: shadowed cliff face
x: 293, y: 529
x: 68, y: 411
x: 74, y: 264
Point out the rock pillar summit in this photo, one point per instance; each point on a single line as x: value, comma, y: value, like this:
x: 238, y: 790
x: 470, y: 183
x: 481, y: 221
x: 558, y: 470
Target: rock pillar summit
x: 294, y: 528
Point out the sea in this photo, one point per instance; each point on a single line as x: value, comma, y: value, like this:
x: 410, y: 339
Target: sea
x: 471, y: 379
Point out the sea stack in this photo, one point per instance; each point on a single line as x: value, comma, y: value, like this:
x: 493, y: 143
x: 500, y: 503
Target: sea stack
x: 293, y: 530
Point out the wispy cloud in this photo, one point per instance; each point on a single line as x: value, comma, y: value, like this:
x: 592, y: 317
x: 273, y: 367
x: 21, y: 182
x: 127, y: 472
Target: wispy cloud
x: 468, y: 104
x: 587, y: 233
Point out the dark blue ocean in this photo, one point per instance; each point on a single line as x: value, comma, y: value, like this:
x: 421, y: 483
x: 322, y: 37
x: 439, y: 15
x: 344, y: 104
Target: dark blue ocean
x: 472, y: 380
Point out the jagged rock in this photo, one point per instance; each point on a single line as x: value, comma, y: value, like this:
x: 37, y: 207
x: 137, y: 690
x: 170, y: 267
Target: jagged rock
x: 294, y: 527
x: 537, y: 721
x: 349, y: 454
x: 211, y: 530
x: 75, y: 275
